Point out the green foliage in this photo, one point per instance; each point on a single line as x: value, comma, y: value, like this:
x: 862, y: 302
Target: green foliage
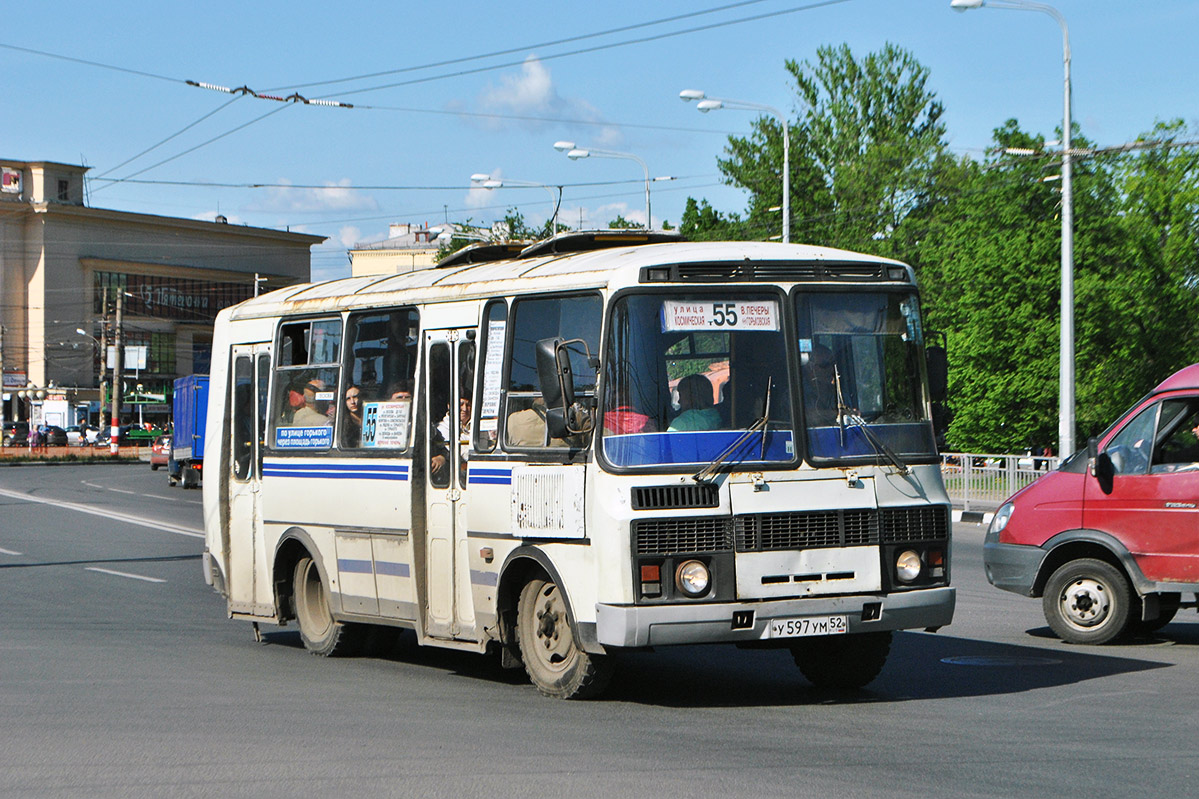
x: 620, y: 223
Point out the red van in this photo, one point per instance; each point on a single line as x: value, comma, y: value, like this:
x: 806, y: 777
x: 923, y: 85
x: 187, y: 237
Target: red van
x: 1110, y: 540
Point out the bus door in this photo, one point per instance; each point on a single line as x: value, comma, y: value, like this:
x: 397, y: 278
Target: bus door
x: 449, y: 366
x: 247, y: 426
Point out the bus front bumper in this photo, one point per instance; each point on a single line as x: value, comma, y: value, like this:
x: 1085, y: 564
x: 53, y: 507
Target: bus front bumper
x: 663, y: 625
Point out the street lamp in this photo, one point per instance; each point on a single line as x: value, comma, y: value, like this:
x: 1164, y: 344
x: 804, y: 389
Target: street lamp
x: 575, y: 153
x: 1065, y: 424
x: 707, y: 104
x: 487, y: 182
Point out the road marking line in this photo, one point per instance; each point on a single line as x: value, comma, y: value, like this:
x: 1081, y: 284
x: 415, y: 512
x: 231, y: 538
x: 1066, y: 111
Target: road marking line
x: 125, y: 574
x: 4, y: 551
x: 107, y: 514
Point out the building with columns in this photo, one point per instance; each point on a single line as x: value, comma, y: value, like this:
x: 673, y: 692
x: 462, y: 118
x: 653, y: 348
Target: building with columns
x: 65, y: 266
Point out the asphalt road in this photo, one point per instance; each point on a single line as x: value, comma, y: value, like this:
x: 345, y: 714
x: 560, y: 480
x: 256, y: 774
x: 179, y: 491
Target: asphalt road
x: 121, y: 676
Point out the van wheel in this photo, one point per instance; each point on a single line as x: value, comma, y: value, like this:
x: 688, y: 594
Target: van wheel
x: 321, y: 633
x: 1087, y: 601
x: 555, y: 663
x: 842, y: 662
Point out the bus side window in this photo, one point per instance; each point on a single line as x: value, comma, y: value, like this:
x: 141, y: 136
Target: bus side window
x: 306, y: 384
x: 489, y: 386
x: 534, y: 319
x: 381, y: 353
x: 242, y: 423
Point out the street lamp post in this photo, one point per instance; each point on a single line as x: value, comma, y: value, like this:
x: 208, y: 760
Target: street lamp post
x: 487, y: 182
x: 707, y: 104
x: 575, y: 153
x: 1065, y: 428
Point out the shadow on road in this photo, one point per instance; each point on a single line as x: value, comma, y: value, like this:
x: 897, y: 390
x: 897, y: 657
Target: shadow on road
x: 921, y: 666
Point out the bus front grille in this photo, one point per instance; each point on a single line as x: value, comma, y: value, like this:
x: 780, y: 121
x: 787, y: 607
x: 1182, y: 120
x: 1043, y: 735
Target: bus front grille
x: 922, y: 523
x: 669, y: 536
x: 807, y: 530
x: 765, y: 532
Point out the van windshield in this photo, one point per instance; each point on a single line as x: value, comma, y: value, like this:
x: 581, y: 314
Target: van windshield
x: 687, y: 374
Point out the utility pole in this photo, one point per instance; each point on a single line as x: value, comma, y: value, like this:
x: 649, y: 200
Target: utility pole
x: 1, y: 380
x: 114, y: 434
x: 103, y: 356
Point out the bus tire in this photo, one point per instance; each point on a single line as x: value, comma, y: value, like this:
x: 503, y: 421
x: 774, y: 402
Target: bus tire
x: 1088, y: 601
x: 557, y: 666
x: 321, y: 633
x: 842, y: 662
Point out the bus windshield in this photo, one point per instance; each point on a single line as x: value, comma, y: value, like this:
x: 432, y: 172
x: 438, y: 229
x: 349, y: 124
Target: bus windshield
x: 687, y: 374
x: 862, y: 375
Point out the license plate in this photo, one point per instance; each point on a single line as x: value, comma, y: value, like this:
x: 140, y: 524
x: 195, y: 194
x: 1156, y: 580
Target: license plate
x: 808, y: 625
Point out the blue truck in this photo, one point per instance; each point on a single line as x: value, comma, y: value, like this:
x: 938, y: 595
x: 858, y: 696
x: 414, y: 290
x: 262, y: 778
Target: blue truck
x: 190, y: 409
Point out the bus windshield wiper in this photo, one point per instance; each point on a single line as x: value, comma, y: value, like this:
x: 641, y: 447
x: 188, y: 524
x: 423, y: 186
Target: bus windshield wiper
x: 847, y: 415
x: 706, y: 474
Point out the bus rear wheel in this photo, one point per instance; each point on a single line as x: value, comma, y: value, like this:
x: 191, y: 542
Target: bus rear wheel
x: 842, y: 662
x: 557, y: 666
x: 321, y: 633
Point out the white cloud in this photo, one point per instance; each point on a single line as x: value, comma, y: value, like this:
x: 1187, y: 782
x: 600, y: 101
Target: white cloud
x: 339, y: 196
x: 348, y: 236
x: 600, y: 216
x: 532, y: 92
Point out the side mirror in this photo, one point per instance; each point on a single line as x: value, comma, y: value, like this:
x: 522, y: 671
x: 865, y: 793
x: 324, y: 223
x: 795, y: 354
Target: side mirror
x: 554, y: 375
x: 1104, y: 471
x: 938, y: 373
x: 563, y: 415
x: 1092, y: 447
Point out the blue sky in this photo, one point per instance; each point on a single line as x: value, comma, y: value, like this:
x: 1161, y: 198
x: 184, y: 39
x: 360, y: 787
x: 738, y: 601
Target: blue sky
x: 405, y: 153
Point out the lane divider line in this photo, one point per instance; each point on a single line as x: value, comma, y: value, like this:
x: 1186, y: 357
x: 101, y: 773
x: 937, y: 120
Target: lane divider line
x: 107, y: 514
x: 4, y: 551
x: 125, y: 574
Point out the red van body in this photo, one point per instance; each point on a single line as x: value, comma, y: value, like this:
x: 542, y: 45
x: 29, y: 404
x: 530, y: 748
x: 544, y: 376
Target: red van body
x: 1110, y: 540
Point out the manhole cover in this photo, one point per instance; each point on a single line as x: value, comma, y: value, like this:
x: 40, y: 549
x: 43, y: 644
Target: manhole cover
x: 982, y: 660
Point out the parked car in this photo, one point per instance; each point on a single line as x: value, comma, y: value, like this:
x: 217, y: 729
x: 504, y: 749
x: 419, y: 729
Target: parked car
x: 55, y: 436
x: 160, y: 452
x: 80, y: 435
x: 1107, y: 540
x: 16, y: 434
x: 102, y: 438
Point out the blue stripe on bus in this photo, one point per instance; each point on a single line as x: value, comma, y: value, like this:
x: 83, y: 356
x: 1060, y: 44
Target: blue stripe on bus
x: 484, y: 476
x: 354, y: 566
x: 484, y: 578
x: 336, y: 471
x: 392, y: 569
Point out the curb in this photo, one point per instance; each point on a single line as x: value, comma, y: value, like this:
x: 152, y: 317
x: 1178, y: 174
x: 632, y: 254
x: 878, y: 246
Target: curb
x: 972, y: 517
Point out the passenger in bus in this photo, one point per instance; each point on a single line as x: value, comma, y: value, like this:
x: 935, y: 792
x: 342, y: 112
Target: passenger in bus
x: 311, y: 414
x: 401, y: 390
x: 696, y: 411
x: 820, y: 386
x: 623, y: 418
x: 526, y: 428
x: 351, y: 430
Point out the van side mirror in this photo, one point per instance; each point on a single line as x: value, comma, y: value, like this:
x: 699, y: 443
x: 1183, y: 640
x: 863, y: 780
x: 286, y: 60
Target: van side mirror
x: 1104, y: 471
x: 938, y: 372
x: 1092, y: 447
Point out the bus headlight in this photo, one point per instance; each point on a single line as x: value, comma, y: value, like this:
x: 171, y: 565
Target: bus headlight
x: 692, y: 578
x: 907, y: 566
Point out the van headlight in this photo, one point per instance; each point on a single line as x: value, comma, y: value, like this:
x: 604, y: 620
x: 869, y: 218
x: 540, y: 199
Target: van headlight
x: 692, y: 578
x: 1000, y: 521
x: 908, y: 565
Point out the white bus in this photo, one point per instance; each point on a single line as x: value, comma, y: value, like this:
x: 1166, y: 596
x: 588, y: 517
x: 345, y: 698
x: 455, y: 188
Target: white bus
x: 603, y: 442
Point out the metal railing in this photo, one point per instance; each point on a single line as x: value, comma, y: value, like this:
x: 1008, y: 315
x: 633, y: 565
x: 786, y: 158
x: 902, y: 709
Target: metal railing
x: 983, y: 482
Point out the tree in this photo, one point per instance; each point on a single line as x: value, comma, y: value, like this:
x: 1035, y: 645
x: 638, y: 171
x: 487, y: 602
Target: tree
x: 866, y: 142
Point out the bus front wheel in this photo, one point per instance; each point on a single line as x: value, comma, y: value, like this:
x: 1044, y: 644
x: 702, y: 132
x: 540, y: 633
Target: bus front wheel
x: 320, y: 632
x: 842, y: 662
x: 554, y: 661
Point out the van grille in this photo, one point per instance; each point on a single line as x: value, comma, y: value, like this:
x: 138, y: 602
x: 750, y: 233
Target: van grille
x: 781, y: 531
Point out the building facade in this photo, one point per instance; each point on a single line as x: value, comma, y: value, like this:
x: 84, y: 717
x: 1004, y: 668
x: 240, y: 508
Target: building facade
x: 65, y: 267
